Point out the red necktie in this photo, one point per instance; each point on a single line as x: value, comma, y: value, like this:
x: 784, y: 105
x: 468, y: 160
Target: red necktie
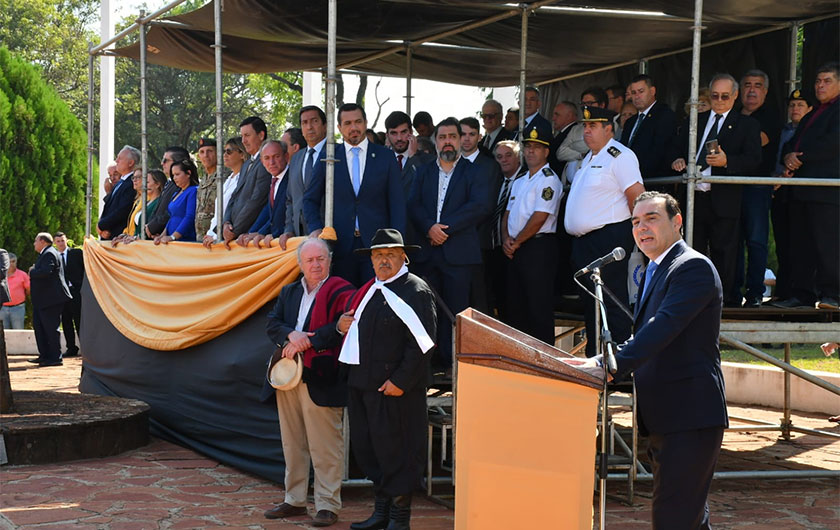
x: 273, y: 188
x: 400, y: 159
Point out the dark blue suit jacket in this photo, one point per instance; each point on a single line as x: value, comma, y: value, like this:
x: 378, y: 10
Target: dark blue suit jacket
x: 47, y: 280
x: 117, y: 208
x: 652, y: 143
x: 675, y: 353
x: 464, y: 206
x: 380, y: 204
x: 273, y: 220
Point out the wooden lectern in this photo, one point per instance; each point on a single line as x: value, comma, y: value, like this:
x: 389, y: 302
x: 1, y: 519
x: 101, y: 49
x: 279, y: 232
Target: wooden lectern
x: 525, y: 435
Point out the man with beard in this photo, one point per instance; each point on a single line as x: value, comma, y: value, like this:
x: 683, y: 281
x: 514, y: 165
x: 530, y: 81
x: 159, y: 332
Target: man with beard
x: 389, y: 331
x: 446, y: 203
x: 368, y: 195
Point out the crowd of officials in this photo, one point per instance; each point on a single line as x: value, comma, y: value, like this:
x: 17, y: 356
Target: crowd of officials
x: 497, y: 219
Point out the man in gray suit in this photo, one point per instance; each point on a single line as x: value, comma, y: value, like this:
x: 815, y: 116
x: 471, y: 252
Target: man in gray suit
x: 313, y: 125
x: 251, y: 194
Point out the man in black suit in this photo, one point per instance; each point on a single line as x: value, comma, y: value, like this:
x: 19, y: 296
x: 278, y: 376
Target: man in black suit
x: 814, y: 210
x: 728, y: 143
x: 251, y: 193
x: 49, y: 294
x: 404, y: 145
x: 563, y: 118
x: 492, y: 113
x: 489, y: 175
x: 650, y: 132
x: 303, y: 322
x: 675, y: 359
x: 118, y: 205
x: 446, y: 204
x: 73, y: 262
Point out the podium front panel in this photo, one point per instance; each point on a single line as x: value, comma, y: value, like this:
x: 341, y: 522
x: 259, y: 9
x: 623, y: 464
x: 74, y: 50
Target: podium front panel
x: 525, y: 451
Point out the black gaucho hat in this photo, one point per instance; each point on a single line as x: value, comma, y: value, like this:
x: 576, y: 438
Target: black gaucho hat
x: 387, y: 238
x: 537, y: 132
x: 596, y: 114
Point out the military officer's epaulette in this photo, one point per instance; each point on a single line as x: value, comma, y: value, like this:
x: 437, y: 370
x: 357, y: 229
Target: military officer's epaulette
x: 548, y: 172
x: 614, y: 151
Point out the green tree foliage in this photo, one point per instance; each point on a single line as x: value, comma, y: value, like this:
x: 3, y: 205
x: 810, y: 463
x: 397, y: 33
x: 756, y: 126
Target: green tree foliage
x: 43, y: 161
x: 53, y: 34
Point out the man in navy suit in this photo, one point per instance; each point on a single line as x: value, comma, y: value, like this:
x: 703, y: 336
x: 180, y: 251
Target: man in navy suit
x: 533, y: 118
x: 717, y: 210
x: 675, y: 358
x: 447, y: 201
x: 118, y: 204
x: 368, y: 195
x: 313, y: 125
x: 49, y: 293
x: 271, y: 221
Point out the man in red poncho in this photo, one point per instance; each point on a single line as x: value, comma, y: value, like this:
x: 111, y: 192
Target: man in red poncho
x: 303, y: 321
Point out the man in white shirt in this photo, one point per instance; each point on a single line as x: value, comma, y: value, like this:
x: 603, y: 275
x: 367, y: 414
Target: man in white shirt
x: 598, y: 216
x: 528, y: 228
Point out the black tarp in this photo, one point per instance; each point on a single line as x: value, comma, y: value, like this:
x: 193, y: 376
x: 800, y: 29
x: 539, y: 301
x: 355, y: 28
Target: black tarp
x: 282, y: 35
x: 205, y: 397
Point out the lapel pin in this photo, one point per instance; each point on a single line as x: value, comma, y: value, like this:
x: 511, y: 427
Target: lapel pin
x: 373, y: 155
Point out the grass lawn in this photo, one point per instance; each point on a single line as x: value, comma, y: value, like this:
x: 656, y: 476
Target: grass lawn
x: 804, y: 356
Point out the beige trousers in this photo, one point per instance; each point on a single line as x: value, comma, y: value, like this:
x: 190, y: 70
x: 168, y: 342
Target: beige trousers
x: 309, y: 430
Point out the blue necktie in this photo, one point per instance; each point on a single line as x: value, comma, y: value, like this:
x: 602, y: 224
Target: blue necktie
x: 635, y: 128
x: 651, y: 269
x: 357, y: 177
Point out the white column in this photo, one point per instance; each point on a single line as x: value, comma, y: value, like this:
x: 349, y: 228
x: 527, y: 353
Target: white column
x: 106, y: 101
x: 312, y: 89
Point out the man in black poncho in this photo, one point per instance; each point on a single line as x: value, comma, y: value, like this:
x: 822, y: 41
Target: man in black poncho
x: 388, y: 335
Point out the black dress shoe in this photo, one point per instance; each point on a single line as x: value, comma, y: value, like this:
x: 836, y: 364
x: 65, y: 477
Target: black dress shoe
x: 69, y: 353
x: 50, y: 363
x: 828, y: 303
x: 285, y: 510
x: 324, y: 518
x: 752, y: 303
x: 378, y: 520
x: 791, y: 303
x: 34, y: 361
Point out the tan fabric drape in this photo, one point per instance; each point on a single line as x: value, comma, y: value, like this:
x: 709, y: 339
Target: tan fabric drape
x: 170, y: 297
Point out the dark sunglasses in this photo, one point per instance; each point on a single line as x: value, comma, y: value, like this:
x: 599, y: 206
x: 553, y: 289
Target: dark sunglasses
x: 489, y: 115
x: 722, y: 97
x: 229, y: 151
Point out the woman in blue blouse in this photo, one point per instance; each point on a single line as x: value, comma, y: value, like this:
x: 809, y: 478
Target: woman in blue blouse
x: 181, y: 225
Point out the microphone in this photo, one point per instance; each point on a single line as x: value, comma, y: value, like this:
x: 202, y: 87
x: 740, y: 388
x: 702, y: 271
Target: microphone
x: 617, y: 254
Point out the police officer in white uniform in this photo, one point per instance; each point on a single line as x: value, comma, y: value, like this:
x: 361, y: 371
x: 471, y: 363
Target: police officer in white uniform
x: 598, y: 216
x: 528, y: 234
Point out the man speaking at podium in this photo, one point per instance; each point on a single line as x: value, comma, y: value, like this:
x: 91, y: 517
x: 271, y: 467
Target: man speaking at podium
x: 675, y: 358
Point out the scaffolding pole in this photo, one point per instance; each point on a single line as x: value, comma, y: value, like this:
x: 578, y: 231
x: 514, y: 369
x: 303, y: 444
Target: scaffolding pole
x: 89, y: 186
x: 217, y: 49
x: 143, y: 137
x: 408, y: 74
x: 523, y: 63
x: 332, y: 14
x: 794, y: 46
x: 697, y: 29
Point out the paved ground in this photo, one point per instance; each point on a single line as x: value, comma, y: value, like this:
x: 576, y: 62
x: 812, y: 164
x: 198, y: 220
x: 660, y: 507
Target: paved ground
x: 166, y: 486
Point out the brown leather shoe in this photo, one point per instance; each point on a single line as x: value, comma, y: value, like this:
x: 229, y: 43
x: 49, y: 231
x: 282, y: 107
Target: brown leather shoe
x: 285, y: 510
x: 324, y: 518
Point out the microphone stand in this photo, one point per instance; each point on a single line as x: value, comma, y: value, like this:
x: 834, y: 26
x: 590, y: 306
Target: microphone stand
x: 606, y: 345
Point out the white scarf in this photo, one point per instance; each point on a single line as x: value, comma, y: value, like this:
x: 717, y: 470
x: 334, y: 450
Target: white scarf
x: 350, y: 348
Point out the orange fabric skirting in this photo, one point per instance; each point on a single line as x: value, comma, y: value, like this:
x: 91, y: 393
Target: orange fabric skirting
x: 174, y: 296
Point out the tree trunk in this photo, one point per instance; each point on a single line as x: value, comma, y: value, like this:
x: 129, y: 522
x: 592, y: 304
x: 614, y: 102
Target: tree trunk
x: 360, y: 94
x: 339, y: 91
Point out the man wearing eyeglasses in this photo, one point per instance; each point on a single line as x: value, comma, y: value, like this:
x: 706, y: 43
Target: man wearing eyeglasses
x: 573, y: 146
x: 728, y: 143
x: 491, y: 115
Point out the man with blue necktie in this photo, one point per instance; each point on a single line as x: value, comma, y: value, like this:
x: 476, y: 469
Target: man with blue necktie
x: 368, y: 195
x: 675, y: 358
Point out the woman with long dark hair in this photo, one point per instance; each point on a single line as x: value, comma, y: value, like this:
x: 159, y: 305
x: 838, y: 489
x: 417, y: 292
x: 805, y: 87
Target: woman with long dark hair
x: 181, y: 225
